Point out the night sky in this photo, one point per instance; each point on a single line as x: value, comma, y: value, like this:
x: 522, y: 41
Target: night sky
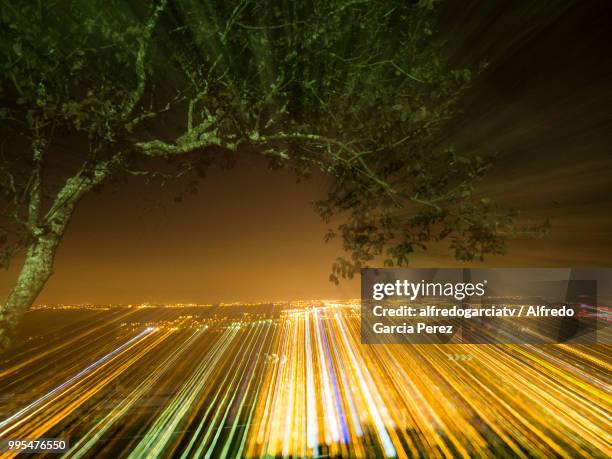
x: 252, y: 234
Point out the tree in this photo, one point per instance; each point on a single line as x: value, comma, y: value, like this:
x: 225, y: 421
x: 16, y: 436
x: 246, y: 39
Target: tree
x: 356, y: 89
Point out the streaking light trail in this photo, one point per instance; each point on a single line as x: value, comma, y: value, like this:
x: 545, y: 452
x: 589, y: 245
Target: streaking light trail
x: 297, y: 382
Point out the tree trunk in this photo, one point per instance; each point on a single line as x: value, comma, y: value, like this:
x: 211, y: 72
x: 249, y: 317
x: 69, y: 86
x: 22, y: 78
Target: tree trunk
x: 37, y: 268
x: 38, y: 265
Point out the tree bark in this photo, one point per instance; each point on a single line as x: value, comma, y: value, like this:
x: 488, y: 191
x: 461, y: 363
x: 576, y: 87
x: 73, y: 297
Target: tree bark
x: 37, y: 268
x: 46, y: 236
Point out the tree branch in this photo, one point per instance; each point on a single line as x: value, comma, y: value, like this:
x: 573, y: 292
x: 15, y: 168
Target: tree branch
x: 73, y: 190
x: 141, y: 55
x: 35, y: 192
